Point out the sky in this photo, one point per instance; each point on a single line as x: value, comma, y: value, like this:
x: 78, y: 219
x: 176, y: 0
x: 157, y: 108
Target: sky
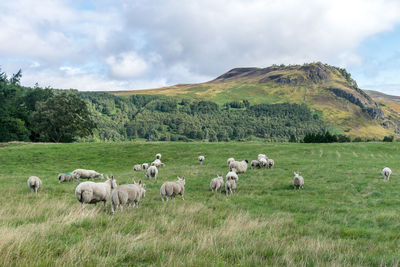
x: 137, y: 44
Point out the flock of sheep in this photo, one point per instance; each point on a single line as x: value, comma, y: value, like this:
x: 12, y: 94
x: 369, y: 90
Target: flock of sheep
x: 127, y: 194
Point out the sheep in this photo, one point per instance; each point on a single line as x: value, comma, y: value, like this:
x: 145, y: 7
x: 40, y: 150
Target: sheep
x: 152, y: 172
x: 137, y: 167
x: 230, y: 160
x: 262, y: 156
x: 230, y: 186
x: 263, y: 162
x: 232, y: 175
x: 126, y: 194
x: 201, y: 159
x: 145, y: 166
x: 87, y: 174
x: 217, y: 183
x: 171, y: 189
x: 91, y: 192
x: 34, y: 183
x: 67, y: 177
x: 298, y: 181
x: 240, y: 166
x: 157, y: 163
x: 256, y: 164
x: 386, y: 172
x: 158, y: 156
x: 271, y: 163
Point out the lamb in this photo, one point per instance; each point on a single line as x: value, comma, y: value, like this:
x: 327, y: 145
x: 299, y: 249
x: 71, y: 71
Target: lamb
x: 137, y: 167
x: 217, y: 183
x: 271, y: 163
x: 126, y: 194
x: 67, y: 177
x: 386, y: 172
x: 145, y: 166
x: 91, y: 192
x: 171, y: 189
x: 201, y: 159
x: 230, y: 186
x: 230, y: 160
x: 152, y: 172
x: 87, y: 174
x: 298, y: 181
x: 232, y: 175
x: 262, y: 156
x: 158, y: 156
x: 34, y: 183
x: 240, y: 166
x: 157, y: 163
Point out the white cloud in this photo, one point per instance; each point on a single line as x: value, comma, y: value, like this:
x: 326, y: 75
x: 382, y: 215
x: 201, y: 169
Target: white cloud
x: 126, y: 65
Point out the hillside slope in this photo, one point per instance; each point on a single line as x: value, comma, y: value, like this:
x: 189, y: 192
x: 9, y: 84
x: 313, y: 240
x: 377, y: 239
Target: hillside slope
x: 327, y: 90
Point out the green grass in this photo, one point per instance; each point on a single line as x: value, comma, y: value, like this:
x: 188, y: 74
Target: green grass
x: 345, y: 215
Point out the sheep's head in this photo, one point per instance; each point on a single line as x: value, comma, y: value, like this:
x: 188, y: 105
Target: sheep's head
x: 182, y: 180
x: 246, y: 161
x: 101, y: 176
x: 113, y: 182
x: 219, y: 177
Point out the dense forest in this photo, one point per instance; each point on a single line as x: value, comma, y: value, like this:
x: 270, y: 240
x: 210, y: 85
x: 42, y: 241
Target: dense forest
x: 50, y: 115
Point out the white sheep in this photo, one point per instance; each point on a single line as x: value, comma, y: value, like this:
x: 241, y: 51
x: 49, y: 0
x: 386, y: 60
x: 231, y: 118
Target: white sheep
x: 87, y: 174
x: 67, y: 177
x: 91, y: 192
x: 145, y: 166
x: 171, y: 189
x: 262, y: 156
x: 270, y: 163
x: 232, y: 175
x: 201, y: 159
x: 230, y: 186
x: 157, y: 163
x: 256, y: 164
x: 230, y: 160
x: 386, y: 172
x: 298, y: 181
x: 34, y: 183
x: 158, y: 156
x: 263, y: 162
x: 240, y: 166
x: 127, y: 194
x: 152, y: 172
x: 217, y: 183
x: 137, y: 167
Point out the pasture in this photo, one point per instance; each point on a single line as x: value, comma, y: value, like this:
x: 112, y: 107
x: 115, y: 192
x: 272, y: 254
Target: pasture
x: 345, y: 215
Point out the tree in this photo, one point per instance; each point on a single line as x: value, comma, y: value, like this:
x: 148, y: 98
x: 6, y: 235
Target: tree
x: 62, y: 118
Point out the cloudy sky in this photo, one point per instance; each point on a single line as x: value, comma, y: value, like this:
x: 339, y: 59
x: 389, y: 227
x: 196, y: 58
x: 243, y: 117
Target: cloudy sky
x: 125, y: 45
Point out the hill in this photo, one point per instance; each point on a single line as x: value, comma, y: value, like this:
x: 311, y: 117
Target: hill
x: 327, y: 90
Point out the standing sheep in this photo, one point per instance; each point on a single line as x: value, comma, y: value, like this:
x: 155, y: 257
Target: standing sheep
x: 91, y: 192
x: 262, y: 156
x: 126, y: 194
x: 240, y: 166
x: 158, y: 156
x: 232, y: 175
x: 257, y: 163
x: 263, y: 162
x: 137, y: 167
x: 298, y: 181
x: 157, y: 163
x: 67, y: 177
x: 34, y: 183
x: 270, y: 163
x: 145, y: 166
x: 152, y: 172
x: 230, y: 186
x: 230, y: 160
x: 201, y: 159
x: 171, y: 189
x: 217, y: 183
x: 386, y: 172
x: 87, y: 174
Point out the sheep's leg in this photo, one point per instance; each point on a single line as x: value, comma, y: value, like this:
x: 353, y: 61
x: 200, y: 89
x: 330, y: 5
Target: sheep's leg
x: 183, y: 197
x: 105, y: 208
x: 83, y: 208
x: 36, y: 190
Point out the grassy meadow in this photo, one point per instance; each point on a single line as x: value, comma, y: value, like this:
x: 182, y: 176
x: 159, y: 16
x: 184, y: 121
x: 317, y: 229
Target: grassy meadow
x: 345, y: 215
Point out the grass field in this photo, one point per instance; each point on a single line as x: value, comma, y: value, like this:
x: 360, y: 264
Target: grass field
x: 345, y: 215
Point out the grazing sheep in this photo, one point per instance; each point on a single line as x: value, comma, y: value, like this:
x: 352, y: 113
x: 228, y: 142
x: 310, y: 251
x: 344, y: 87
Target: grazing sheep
x: 262, y: 156
x: 145, y: 166
x: 158, y: 156
x: 298, y: 181
x: 201, y: 159
x: 157, y: 163
x: 230, y: 186
x: 152, y: 172
x: 137, y: 167
x: 127, y: 194
x: 91, y: 192
x: 271, y: 163
x: 263, y: 162
x: 34, y: 183
x: 67, y: 177
x: 171, y: 189
x: 256, y: 164
x: 232, y: 175
x: 240, y: 166
x: 87, y: 174
x: 217, y: 183
x: 230, y: 160
x: 386, y: 172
